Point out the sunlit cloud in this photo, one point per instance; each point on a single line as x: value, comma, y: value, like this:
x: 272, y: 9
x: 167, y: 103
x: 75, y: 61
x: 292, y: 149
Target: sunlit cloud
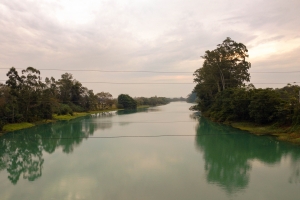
x: 274, y: 48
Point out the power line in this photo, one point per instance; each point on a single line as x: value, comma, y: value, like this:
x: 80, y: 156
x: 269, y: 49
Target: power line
x: 138, y: 83
x: 142, y: 71
x: 133, y: 83
x: 160, y: 83
x: 283, y: 72
x: 112, y: 71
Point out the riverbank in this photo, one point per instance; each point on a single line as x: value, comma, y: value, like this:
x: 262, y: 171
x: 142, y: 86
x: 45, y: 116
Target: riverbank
x: 23, y: 125
x: 288, y: 133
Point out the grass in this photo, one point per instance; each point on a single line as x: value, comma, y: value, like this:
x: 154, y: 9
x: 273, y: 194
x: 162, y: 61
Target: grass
x: 23, y: 125
x: 17, y: 126
x: 144, y: 106
x: 80, y: 114
x: 69, y: 117
x: 281, y: 132
x: 254, y: 128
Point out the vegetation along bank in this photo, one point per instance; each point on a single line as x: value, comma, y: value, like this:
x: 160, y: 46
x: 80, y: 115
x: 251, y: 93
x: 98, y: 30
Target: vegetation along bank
x: 27, y: 100
x: 223, y: 95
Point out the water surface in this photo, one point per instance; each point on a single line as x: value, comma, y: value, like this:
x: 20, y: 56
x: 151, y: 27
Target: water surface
x: 163, y: 152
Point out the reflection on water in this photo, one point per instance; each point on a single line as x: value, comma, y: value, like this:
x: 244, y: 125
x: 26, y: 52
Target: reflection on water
x: 104, y: 123
x: 146, y: 167
x: 228, y: 154
x: 21, y: 156
x: 131, y: 111
x: 21, y: 151
x: 295, y: 175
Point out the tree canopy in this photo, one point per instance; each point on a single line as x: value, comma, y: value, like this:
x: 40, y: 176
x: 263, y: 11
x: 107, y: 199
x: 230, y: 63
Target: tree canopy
x: 126, y: 101
x: 223, y: 95
x: 25, y: 97
x: 223, y: 67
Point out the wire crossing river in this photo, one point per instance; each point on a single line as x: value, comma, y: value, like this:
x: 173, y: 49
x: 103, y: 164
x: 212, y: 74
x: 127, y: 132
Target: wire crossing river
x: 164, y: 152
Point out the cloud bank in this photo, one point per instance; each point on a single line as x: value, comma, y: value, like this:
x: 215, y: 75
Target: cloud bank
x: 147, y: 35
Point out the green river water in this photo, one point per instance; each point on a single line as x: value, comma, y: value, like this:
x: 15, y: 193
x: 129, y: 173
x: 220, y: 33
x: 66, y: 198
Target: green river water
x: 160, y: 153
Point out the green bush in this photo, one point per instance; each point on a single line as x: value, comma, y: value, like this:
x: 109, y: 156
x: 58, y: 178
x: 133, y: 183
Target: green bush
x: 76, y: 108
x: 127, y: 101
x: 64, y: 109
x: 120, y: 106
x: 2, y: 123
x: 264, y: 106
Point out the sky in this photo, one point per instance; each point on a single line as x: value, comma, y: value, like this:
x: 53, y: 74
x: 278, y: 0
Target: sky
x: 147, y: 35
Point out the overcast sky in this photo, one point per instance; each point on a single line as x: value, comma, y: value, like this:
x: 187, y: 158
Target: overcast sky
x: 147, y: 35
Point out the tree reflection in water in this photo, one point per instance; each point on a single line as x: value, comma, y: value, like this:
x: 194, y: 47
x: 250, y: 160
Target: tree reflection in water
x: 228, y: 153
x: 21, y: 152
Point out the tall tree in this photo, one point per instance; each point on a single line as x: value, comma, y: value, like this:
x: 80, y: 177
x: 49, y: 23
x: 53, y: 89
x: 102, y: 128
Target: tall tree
x: 26, y: 90
x: 223, y: 67
x: 104, y: 99
x: 65, y: 87
x: 31, y: 92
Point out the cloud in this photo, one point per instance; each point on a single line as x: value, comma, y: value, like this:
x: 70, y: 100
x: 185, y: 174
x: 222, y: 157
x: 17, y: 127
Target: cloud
x: 142, y: 35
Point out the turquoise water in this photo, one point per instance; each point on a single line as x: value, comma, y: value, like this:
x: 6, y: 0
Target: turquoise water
x: 163, y: 152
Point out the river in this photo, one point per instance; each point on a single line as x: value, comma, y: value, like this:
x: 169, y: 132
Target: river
x: 164, y: 152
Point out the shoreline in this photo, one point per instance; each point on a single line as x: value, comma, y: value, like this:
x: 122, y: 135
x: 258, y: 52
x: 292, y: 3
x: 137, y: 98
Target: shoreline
x: 24, y: 125
x: 279, y: 132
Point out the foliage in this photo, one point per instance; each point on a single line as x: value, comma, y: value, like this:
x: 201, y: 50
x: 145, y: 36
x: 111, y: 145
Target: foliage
x: 224, y: 67
x: 264, y: 105
x: 26, y: 98
x: 231, y: 104
x: 223, y: 96
x: 64, y: 109
x: 104, y: 100
x: 192, y: 97
x: 152, y: 101
x: 127, y: 101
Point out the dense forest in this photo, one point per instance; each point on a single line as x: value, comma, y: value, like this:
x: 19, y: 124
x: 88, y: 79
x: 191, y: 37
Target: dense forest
x: 222, y: 94
x: 26, y: 97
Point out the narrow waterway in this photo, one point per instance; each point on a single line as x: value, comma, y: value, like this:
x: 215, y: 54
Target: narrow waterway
x: 163, y: 153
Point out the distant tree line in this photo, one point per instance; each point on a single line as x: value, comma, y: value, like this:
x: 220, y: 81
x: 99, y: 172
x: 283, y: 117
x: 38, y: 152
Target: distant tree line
x: 223, y: 95
x: 192, y: 97
x: 25, y: 97
x: 176, y: 99
x: 155, y: 101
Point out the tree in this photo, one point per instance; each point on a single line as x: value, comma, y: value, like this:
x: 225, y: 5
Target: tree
x: 6, y: 101
x: 71, y: 93
x: 26, y: 91
x: 31, y: 92
x: 223, y: 67
x: 264, y: 105
x: 14, y: 83
x: 104, y: 99
x: 126, y: 101
x: 191, y: 98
